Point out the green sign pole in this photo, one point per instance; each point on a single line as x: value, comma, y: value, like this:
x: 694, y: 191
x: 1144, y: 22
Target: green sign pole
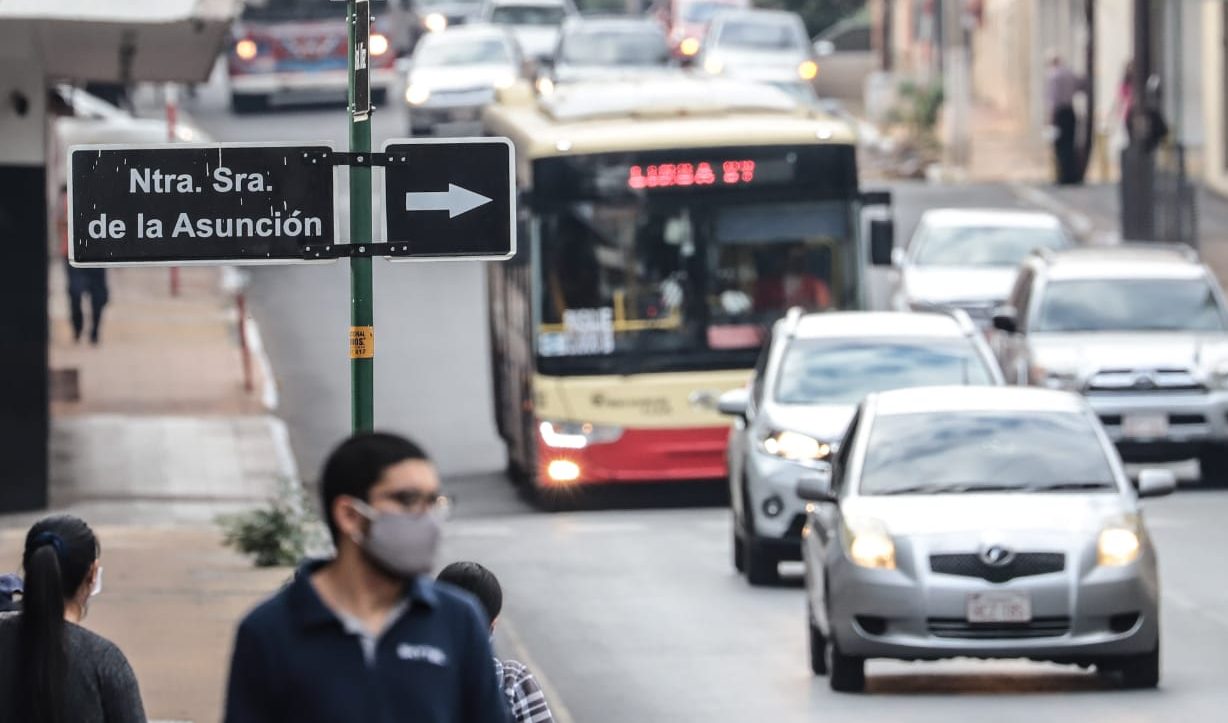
x: 362, y: 316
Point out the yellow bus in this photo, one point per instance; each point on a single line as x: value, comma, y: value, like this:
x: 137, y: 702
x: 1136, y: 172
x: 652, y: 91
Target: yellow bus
x: 665, y: 224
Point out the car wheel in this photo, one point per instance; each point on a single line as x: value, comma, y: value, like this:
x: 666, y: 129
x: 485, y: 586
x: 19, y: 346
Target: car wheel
x: 1141, y: 671
x: 847, y: 673
x: 244, y: 103
x: 739, y: 550
x: 762, y: 565
x: 818, y: 644
x: 1213, y: 467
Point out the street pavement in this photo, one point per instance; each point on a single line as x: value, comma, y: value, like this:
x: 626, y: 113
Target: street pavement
x: 629, y: 608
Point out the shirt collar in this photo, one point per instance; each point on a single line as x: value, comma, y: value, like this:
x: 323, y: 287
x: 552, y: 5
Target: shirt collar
x: 309, y: 610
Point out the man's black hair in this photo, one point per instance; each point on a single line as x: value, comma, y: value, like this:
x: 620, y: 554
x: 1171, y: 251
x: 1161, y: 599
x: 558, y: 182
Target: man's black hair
x: 478, y: 581
x: 357, y: 464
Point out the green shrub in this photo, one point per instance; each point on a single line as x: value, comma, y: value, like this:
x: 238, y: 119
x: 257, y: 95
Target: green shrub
x: 277, y: 535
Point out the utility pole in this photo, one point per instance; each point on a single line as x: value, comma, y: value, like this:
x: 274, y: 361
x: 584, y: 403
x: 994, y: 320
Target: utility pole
x: 1138, y: 199
x: 362, y: 315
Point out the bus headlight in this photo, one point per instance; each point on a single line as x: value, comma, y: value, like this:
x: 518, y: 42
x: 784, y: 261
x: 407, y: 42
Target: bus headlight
x: 796, y: 447
x: 246, y: 49
x: 417, y: 94
x: 435, y: 22
x: 577, y: 435
x: 808, y: 70
x: 379, y: 44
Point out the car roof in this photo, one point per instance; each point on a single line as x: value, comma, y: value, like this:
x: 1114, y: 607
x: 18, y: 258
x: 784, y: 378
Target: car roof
x: 610, y: 22
x: 868, y: 324
x: 469, y: 31
x: 755, y: 15
x: 940, y: 400
x: 1127, y: 261
x: 959, y: 217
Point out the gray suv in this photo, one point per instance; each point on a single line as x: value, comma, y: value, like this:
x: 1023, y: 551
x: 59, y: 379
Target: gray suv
x: 1141, y: 331
x: 809, y: 380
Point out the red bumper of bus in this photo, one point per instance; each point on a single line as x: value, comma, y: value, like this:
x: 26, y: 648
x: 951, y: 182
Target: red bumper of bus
x: 639, y: 455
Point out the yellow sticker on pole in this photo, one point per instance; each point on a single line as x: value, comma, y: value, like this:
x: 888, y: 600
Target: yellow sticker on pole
x: 362, y: 342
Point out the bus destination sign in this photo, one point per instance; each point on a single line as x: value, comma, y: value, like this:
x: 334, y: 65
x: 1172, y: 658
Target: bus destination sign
x: 174, y: 204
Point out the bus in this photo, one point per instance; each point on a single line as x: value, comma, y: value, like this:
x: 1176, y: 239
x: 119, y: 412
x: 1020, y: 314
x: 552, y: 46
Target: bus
x: 664, y: 225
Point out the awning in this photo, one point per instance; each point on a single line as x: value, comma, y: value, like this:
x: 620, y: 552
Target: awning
x: 93, y: 40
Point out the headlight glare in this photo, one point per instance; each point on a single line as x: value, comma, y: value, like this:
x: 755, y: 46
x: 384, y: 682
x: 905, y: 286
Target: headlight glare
x: 689, y: 46
x: 246, y: 49
x: 379, y: 44
x: 417, y: 94
x: 1117, y: 546
x: 796, y: 447
x: 808, y: 70
x: 873, y: 549
x: 435, y: 22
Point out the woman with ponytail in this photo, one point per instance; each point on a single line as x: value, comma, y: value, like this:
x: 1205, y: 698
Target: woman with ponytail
x: 52, y: 670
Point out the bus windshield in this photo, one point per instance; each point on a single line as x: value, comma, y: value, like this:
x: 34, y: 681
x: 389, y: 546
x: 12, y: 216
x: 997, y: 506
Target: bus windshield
x: 687, y: 282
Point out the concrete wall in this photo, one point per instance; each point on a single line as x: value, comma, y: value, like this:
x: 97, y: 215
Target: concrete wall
x: 1001, y: 56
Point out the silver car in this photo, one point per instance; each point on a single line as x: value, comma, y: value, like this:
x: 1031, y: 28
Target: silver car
x: 454, y: 75
x: 810, y: 378
x: 987, y: 523
x: 968, y: 258
x: 765, y: 46
x: 1142, y: 332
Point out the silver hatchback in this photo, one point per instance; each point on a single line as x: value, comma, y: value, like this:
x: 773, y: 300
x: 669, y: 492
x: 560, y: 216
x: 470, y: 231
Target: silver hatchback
x: 982, y: 522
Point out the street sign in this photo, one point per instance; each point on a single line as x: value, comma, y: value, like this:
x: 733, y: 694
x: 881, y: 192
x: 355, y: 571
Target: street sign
x: 450, y: 198
x: 176, y: 204
x: 361, y: 100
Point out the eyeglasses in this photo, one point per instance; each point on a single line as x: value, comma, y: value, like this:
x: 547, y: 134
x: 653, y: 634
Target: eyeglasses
x: 416, y: 501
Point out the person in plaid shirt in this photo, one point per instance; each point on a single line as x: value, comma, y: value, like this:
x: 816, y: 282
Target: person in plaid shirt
x: 524, y: 696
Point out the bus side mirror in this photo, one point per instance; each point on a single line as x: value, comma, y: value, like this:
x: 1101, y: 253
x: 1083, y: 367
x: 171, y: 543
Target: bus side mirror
x: 882, y: 241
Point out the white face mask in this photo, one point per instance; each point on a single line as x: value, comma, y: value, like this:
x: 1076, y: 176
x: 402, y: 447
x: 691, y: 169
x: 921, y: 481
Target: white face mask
x: 97, y: 588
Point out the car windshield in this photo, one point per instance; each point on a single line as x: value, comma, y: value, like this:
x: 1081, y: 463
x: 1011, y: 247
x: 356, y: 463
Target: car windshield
x: 288, y: 10
x: 1129, y: 305
x: 436, y: 51
x: 984, y: 245
x: 701, y: 12
x: 527, y: 15
x: 759, y: 36
x: 606, y: 47
x: 827, y: 371
x: 952, y: 452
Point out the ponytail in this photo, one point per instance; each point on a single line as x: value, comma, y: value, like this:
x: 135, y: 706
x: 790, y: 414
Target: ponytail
x: 58, y: 555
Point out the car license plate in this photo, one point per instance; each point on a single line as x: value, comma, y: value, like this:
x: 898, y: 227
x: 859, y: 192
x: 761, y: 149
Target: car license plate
x: 999, y: 607
x: 1144, y: 426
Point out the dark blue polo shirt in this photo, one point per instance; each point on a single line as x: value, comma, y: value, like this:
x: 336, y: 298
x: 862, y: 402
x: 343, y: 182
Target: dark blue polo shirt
x: 295, y: 661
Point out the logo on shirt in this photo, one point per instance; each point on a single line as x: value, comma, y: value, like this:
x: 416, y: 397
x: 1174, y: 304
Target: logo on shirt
x: 424, y: 653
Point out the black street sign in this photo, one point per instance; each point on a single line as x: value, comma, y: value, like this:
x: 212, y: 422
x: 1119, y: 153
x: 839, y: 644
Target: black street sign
x: 362, y: 71
x: 450, y: 198
x: 172, y: 204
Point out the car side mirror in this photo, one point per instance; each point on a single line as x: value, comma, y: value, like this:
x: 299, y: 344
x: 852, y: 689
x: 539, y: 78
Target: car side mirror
x: 815, y: 488
x: 734, y: 403
x: 1156, y: 482
x: 882, y: 241
x: 824, y: 48
x: 1005, y: 319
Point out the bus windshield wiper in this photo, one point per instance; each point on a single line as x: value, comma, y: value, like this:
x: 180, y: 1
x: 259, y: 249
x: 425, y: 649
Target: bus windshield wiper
x: 1068, y: 486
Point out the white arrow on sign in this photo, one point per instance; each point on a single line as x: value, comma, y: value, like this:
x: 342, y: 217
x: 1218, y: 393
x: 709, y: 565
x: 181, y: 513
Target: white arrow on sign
x: 455, y: 200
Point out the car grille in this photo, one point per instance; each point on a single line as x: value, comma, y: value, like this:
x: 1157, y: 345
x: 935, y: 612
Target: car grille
x: 1050, y: 627
x: 1142, y: 381
x: 1024, y: 564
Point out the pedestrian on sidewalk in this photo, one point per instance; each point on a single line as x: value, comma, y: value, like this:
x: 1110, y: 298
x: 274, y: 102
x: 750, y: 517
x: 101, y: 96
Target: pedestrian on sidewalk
x: 82, y: 283
x: 368, y: 637
x: 52, y: 670
x: 524, y: 696
x: 1061, y: 87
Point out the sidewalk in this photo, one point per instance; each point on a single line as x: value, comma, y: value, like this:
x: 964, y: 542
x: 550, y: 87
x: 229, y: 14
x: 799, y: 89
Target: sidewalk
x: 155, y: 439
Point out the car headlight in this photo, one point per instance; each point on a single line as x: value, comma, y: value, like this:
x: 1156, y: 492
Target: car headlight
x: 868, y: 544
x: 417, y: 94
x: 1060, y: 379
x: 545, y: 86
x: 796, y: 447
x: 689, y: 46
x: 1118, y: 545
x: 504, y: 81
x: 378, y: 44
x: 577, y: 435
x: 1218, y: 378
x: 808, y: 70
x: 435, y: 22
x: 714, y: 66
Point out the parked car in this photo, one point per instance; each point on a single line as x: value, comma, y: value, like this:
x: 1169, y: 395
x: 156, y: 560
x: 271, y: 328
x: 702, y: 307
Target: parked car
x: 807, y: 384
x: 767, y: 46
x: 968, y: 258
x: 846, y: 58
x: 454, y: 75
x: 1142, y: 332
x: 288, y: 51
x: 606, y: 48
x: 534, y: 23
x: 984, y: 523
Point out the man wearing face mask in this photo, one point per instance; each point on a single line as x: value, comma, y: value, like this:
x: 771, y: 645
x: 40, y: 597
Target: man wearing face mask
x: 368, y: 636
